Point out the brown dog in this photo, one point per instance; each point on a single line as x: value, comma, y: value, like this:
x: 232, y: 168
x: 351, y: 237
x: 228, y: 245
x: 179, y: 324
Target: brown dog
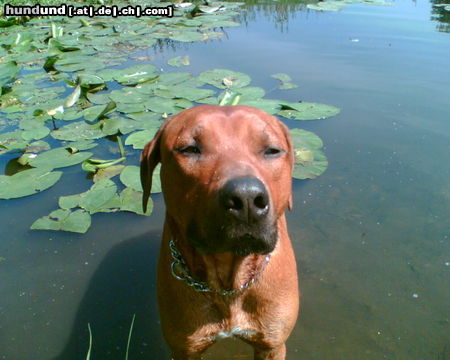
x: 226, y: 265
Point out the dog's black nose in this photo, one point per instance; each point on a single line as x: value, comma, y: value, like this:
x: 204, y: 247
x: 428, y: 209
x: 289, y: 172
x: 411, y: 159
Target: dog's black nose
x: 245, y: 198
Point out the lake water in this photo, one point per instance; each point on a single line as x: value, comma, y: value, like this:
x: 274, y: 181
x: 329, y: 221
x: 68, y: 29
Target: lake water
x: 371, y: 234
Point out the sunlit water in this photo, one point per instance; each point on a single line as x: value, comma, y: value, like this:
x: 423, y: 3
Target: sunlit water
x: 371, y: 234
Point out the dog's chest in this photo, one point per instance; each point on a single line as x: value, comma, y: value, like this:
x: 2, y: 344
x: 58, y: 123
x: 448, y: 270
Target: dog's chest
x: 237, y: 332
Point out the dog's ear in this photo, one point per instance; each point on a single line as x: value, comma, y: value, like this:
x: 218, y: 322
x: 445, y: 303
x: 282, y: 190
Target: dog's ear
x: 288, y: 137
x: 150, y: 157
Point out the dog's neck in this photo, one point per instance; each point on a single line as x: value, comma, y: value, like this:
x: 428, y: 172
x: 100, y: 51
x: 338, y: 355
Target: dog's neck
x: 223, y: 273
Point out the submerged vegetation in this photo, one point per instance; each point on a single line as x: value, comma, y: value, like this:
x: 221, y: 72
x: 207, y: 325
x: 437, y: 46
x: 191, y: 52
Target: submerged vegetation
x: 65, y: 89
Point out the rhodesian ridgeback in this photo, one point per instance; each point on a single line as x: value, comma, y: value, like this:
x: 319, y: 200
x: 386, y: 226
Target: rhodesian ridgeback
x: 226, y: 265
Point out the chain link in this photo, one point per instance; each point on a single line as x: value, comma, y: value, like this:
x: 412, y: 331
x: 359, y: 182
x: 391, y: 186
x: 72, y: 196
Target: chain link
x: 181, y: 272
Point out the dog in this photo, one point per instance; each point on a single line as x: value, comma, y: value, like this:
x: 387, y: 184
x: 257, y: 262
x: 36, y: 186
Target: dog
x: 226, y: 264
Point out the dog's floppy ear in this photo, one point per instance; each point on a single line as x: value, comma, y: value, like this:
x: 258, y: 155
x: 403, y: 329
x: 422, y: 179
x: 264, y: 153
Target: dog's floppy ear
x: 150, y: 157
x: 288, y: 137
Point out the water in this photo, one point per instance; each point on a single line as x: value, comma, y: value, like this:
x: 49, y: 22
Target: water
x: 371, y: 234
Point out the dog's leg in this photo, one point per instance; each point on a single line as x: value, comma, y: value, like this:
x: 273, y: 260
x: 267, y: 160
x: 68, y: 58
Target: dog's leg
x: 276, y: 353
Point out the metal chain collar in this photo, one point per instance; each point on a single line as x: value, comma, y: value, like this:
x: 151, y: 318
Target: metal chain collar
x: 181, y: 272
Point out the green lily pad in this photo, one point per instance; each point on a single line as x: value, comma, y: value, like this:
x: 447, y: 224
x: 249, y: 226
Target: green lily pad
x: 78, y: 221
x: 136, y: 74
x: 186, y: 36
x: 309, y: 161
x: 12, y: 141
x: 98, y: 98
x: 37, y: 146
x: 307, y: 111
x: 286, y: 81
x: 27, y: 182
x: 108, y: 172
x: 222, y: 78
x: 305, y: 139
x: 138, y: 139
x: 128, y: 95
x: 179, y: 61
x: 168, y: 106
x: 131, y: 200
x: 77, y: 131
x: 131, y: 178
x: 93, y: 199
x: 185, y: 92
x: 268, y: 105
x: 8, y: 72
x: 57, y: 158
x: 173, y: 78
x: 312, y: 169
x: 33, y: 129
x: 79, y: 145
x: 97, y: 111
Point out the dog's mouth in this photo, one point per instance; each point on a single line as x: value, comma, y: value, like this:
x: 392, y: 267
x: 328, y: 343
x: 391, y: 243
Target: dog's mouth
x: 240, y: 240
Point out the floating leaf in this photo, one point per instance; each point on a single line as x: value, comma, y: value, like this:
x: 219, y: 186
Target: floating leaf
x: 33, y: 129
x: 286, y: 81
x: 98, y: 195
x: 223, y: 78
x: 310, y: 162
x: 136, y: 74
x: 8, y: 72
x: 27, y: 182
x: 131, y: 200
x: 307, y: 111
x: 268, y: 105
x: 12, y: 141
x: 96, y: 112
x: 179, y: 61
x: 311, y: 170
x: 185, y: 92
x: 77, y: 131
x: 138, y: 139
x: 59, y: 157
x: 130, y: 177
x: 108, y: 172
x: 78, y: 221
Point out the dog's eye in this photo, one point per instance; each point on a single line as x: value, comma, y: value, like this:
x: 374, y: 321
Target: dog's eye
x: 188, y: 150
x: 272, y: 152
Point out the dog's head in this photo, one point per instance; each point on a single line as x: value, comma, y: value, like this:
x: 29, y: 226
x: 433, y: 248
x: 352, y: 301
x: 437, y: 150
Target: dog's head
x: 225, y: 174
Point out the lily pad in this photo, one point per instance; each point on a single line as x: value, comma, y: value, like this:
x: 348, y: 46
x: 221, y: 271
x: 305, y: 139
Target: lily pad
x: 59, y: 157
x: 268, y: 105
x: 131, y: 200
x: 78, y: 221
x: 307, y: 111
x: 77, y: 131
x: 309, y: 161
x: 96, y: 112
x: 313, y: 169
x: 130, y: 177
x: 93, y: 199
x: 138, y: 139
x: 179, y: 61
x: 185, y: 92
x: 108, y: 172
x: 12, y: 141
x: 8, y: 72
x: 27, y: 182
x: 223, y: 78
x: 136, y: 74
x: 286, y: 81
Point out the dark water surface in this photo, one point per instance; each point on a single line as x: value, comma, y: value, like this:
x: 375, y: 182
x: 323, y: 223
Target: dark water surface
x: 371, y: 234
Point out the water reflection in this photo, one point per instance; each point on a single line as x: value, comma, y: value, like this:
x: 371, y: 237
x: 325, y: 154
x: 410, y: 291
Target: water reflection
x: 440, y: 12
